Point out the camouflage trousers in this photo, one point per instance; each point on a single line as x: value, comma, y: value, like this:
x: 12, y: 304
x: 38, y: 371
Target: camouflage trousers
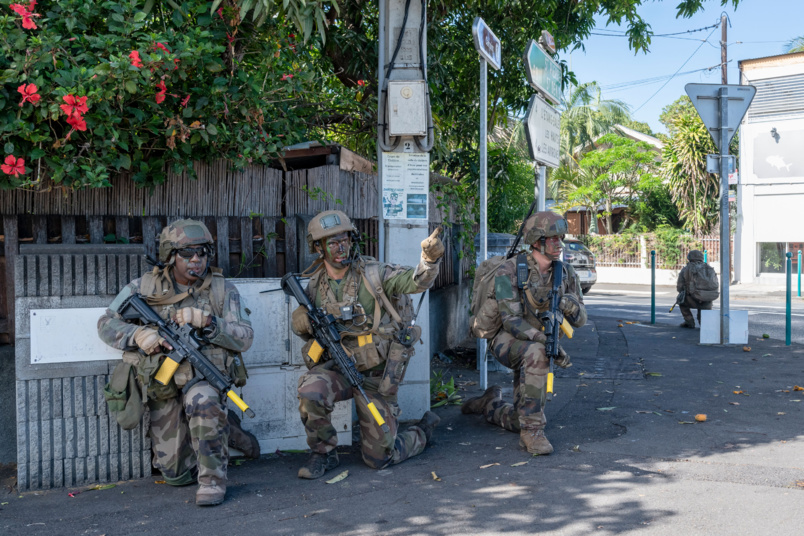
x: 530, y: 365
x: 190, y: 433
x: 320, y: 388
x: 692, y: 303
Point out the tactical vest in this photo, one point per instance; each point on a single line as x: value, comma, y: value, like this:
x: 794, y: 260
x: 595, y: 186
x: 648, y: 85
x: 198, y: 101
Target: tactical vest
x: 366, y: 339
x: 158, y: 288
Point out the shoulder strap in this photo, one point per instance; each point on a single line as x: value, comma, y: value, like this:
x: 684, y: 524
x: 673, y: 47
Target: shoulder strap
x: 217, y: 291
x: 373, y: 281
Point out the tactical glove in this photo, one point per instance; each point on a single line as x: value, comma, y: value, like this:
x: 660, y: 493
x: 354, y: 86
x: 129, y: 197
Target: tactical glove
x: 300, y: 322
x: 193, y: 316
x: 569, y: 305
x: 148, y: 339
x: 432, y: 247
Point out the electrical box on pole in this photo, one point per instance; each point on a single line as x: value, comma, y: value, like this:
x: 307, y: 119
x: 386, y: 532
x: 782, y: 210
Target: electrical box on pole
x: 405, y: 136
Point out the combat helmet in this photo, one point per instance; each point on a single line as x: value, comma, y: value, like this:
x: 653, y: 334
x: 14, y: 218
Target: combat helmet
x: 695, y: 256
x: 543, y: 224
x: 181, y: 234
x: 326, y: 224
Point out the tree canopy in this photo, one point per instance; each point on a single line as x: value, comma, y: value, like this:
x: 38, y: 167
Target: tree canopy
x: 91, y: 88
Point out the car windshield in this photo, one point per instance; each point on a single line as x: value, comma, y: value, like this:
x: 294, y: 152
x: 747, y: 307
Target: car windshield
x: 576, y: 246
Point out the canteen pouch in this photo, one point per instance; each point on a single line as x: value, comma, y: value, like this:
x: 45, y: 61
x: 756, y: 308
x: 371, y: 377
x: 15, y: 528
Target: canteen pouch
x: 122, y: 394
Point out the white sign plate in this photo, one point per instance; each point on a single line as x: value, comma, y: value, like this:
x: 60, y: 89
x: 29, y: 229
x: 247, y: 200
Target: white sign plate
x: 543, y: 132
x: 405, y: 184
x: 706, y: 99
x: 487, y: 43
x: 68, y: 336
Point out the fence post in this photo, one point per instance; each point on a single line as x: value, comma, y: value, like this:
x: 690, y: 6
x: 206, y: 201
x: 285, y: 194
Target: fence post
x: 652, y: 286
x: 705, y: 256
x: 787, y: 324
x: 643, y: 251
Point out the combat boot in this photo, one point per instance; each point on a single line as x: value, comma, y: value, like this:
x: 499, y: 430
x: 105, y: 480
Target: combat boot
x: 428, y: 423
x: 689, y: 325
x: 210, y: 492
x: 242, y: 440
x: 318, y: 464
x: 534, y: 441
x: 478, y: 403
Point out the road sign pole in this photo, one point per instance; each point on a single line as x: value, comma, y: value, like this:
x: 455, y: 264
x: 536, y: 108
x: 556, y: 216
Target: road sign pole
x: 481, y: 343
x: 541, y: 205
x: 725, y: 254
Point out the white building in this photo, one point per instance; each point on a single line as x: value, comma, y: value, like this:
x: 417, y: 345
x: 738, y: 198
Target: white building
x: 770, y: 192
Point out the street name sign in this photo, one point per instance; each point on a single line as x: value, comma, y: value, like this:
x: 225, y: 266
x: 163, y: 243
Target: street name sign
x: 543, y: 132
x: 706, y: 99
x: 487, y: 44
x: 543, y: 73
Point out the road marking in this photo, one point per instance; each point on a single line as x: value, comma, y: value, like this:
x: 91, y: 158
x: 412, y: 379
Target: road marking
x: 637, y: 292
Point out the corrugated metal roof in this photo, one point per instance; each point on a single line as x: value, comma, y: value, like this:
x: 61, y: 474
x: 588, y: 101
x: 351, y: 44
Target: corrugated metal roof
x: 781, y: 96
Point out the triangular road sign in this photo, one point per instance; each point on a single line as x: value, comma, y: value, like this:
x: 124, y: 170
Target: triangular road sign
x: 706, y: 99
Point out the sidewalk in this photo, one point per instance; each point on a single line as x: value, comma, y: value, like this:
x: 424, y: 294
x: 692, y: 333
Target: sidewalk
x: 629, y: 459
x: 737, y: 291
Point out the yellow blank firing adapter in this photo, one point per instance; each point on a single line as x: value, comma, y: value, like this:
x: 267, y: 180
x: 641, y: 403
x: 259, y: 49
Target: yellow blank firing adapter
x: 315, y: 351
x: 166, y: 371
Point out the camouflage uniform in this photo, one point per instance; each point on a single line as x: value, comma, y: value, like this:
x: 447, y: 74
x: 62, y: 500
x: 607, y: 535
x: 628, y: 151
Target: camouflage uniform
x: 323, y: 384
x: 519, y: 345
x: 188, y: 430
x: 682, y: 283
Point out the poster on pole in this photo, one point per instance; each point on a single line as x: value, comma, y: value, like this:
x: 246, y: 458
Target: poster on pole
x: 405, y: 185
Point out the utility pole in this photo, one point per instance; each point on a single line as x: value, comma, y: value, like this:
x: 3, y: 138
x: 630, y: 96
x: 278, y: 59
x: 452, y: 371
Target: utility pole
x: 724, y: 72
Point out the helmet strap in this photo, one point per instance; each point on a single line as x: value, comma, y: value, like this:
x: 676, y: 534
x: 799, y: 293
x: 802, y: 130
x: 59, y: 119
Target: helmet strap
x: 542, y: 241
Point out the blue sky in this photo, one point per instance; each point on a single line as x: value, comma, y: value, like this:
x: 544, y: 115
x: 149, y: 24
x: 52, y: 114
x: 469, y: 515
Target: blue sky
x: 758, y: 28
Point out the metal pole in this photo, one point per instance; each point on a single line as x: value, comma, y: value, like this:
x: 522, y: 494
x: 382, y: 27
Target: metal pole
x: 725, y: 273
x: 724, y: 72
x: 481, y: 343
x: 542, y: 188
x: 653, y: 286
x: 380, y: 135
x: 705, y: 255
x: 799, y: 273
x: 787, y: 323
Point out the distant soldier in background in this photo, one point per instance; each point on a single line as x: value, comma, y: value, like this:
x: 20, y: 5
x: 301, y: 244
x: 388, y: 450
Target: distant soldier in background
x: 698, y: 281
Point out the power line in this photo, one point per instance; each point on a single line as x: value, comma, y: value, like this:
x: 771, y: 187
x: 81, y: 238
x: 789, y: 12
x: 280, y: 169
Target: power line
x: 674, y: 74
x: 624, y: 34
x: 620, y: 86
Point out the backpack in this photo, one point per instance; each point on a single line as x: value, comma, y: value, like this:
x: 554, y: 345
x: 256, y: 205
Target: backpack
x: 702, y: 282
x: 485, y: 321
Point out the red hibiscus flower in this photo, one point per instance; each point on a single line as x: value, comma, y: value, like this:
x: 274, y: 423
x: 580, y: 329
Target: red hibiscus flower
x: 135, y: 59
x: 160, y: 95
x: 287, y: 76
x: 29, y: 94
x: 13, y: 166
x: 184, y: 101
x: 26, y: 13
x: 77, y: 122
x: 161, y: 47
x: 361, y: 83
x: 74, y: 105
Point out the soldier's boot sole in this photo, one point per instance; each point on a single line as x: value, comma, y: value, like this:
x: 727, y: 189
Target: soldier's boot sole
x: 318, y: 464
x: 210, y: 494
x: 477, y: 404
x: 242, y: 440
x: 535, y: 442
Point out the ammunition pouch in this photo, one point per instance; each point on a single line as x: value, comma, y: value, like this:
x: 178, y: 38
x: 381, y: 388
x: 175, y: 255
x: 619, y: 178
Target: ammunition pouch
x: 395, y: 367
x: 237, y: 369
x: 123, y: 396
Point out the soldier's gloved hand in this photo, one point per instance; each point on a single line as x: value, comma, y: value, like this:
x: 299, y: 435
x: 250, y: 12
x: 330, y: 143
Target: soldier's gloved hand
x: 300, y: 322
x: 432, y: 247
x: 569, y: 305
x: 193, y: 316
x: 149, y: 340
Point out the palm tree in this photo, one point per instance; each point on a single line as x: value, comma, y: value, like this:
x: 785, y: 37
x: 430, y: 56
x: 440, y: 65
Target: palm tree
x: 796, y: 45
x: 694, y: 191
x: 574, y: 186
x: 586, y: 116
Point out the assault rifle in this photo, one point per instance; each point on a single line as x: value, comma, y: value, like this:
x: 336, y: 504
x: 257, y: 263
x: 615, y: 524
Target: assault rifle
x: 186, y: 345
x: 553, y: 320
x: 682, y: 296
x: 327, y: 339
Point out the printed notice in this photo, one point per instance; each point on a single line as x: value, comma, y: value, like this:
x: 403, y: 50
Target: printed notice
x: 405, y: 183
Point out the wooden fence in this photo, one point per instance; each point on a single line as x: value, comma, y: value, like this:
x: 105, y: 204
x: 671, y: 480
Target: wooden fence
x: 257, y: 218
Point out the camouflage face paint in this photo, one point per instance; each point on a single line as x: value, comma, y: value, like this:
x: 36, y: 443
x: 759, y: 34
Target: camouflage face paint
x: 337, y: 249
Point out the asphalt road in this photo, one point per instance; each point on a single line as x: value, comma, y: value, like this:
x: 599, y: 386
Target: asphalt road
x: 766, y: 315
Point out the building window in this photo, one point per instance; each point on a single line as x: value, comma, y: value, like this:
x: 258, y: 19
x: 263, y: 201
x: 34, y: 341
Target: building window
x: 772, y: 256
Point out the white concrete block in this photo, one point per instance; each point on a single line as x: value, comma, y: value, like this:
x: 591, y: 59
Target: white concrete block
x: 710, y: 327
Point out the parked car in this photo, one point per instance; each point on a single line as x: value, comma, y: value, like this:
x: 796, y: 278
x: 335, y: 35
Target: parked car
x: 583, y: 260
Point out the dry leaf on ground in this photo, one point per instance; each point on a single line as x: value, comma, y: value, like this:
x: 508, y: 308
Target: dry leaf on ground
x: 338, y: 478
x: 489, y: 465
